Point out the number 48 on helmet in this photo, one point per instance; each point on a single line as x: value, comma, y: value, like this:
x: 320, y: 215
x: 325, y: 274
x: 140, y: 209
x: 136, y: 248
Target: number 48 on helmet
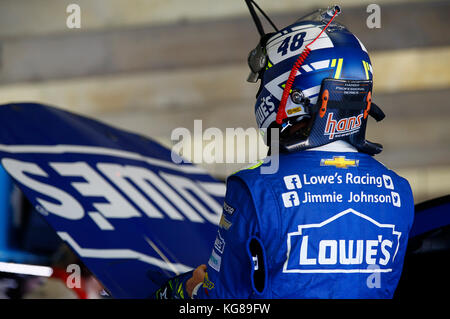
x: 315, y: 83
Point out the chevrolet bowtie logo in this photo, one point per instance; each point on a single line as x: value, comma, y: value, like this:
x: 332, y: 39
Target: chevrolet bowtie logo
x: 339, y: 162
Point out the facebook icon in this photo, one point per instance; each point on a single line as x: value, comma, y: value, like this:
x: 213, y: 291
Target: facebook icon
x: 292, y: 182
x: 290, y: 199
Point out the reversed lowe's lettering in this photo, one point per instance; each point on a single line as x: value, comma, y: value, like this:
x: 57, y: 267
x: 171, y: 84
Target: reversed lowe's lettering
x: 62, y: 204
x: 96, y: 186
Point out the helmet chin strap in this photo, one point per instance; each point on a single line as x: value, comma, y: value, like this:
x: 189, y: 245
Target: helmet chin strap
x: 281, y: 114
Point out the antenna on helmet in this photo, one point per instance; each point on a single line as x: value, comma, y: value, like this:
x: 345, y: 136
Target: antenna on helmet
x: 257, y: 58
x: 251, y: 7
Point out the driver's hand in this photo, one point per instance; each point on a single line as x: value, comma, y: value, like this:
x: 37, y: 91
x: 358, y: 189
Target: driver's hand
x: 197, y: 277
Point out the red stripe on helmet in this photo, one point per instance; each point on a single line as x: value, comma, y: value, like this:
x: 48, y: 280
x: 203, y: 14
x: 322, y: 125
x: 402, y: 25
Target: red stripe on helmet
x: 281, y: 114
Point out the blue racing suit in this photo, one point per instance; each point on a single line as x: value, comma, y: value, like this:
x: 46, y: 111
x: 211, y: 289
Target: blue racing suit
x: 326, y: 225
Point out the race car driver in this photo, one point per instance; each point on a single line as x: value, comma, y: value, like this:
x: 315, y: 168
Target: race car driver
x: 332, y: 222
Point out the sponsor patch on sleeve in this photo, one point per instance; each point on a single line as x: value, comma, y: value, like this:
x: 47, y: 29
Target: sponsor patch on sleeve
x: 224, y: 223
x: 228, y: 209
x: 219, y: 244
x: 215, y: 261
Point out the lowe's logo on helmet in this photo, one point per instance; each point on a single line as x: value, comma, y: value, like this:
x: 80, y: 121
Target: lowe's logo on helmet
x: 265, y: 109
x: 331, y: 246
x: 343, y: 127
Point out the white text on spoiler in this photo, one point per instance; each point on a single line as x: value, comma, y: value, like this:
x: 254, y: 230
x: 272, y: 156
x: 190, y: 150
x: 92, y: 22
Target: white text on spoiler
x: 173, y: 194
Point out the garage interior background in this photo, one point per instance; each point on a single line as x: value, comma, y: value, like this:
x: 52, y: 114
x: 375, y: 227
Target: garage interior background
x: 150, y: 66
